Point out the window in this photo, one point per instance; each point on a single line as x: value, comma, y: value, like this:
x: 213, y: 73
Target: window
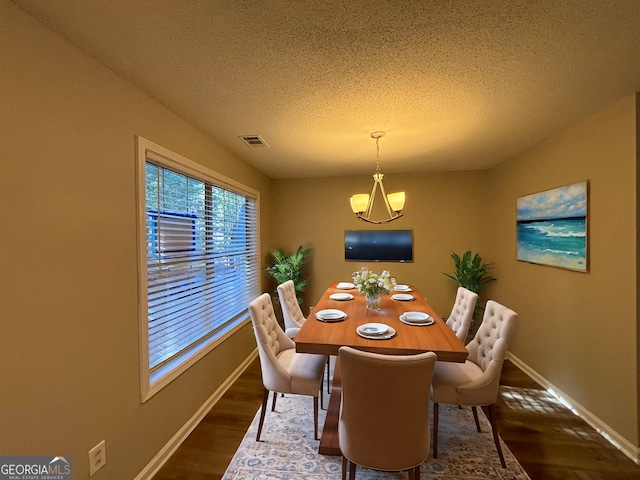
x: 198, y: 261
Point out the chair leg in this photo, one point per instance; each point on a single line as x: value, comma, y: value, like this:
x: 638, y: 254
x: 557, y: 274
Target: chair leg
x: 436, y: 407
x: 344, y: 468
x: 474, y: 409
x: 328, y: 374
x: 273, y: 405
x: 321, y: 395
x: 352, y: 470
x: 315, y: 418
x: 265, y: 397
x: 492, y: 420
x: 416, y: 475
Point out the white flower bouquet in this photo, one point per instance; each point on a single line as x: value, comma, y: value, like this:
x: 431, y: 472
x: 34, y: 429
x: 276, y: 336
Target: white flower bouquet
x: 373, y: 284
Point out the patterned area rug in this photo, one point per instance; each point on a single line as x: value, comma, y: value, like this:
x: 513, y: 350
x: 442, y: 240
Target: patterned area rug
x: 287, y: 450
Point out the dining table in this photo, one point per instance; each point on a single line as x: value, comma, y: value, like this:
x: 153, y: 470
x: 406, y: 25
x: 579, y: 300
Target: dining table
x: 341, y: 317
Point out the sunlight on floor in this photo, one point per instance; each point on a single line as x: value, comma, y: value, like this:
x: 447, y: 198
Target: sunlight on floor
x: 549, y: 403
x: 531, y: 399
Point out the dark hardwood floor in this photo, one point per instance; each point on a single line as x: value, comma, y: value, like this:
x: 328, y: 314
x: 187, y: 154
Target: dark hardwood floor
x: 549, y: 440
x: 546, y: 437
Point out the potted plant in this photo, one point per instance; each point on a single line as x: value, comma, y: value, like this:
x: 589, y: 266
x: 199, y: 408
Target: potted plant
x: 471, y: 274
x: 290, y: 267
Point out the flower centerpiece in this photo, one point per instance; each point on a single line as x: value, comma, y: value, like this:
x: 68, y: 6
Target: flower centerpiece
x: 373, y: 285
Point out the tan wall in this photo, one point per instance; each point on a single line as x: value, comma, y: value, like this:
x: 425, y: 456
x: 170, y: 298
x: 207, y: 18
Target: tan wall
x: 69, y: 368
x: 446, y: 212
x: 578, y: 330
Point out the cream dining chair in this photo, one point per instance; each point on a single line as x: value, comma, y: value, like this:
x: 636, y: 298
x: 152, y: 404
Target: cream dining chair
x: 384, y: 417
x: 293, y: 316
x: 291, y: 312
x: 475, y: 382
x: 462, y: 312
x: 283, y: 370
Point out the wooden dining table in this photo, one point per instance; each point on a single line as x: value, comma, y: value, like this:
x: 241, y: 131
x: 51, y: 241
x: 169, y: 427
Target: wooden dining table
x: 326, y: 338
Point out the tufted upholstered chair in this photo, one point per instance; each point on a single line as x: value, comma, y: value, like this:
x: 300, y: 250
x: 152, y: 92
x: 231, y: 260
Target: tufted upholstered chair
x: 462, y: 313
x: 476, y: 381
x: 384, y: 417
x: 293, y: 316
x: 283, y: 370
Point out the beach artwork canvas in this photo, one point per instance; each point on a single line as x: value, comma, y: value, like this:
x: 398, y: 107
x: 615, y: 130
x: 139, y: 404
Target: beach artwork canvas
x: 552, y: 227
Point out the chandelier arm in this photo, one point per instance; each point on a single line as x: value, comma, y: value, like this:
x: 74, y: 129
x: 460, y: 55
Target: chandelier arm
x: 386, y: 200
x: 369, y: 210
x: 378, y: 222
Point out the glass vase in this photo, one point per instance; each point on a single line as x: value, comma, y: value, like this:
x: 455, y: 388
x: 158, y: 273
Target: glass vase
x: 373, y: 301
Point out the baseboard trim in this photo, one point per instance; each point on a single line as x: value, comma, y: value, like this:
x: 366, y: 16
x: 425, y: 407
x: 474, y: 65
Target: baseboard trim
x: 613, y: 437
x: 165, y: 453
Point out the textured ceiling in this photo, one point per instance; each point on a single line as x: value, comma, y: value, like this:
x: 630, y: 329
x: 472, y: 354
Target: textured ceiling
x: 455, y: 84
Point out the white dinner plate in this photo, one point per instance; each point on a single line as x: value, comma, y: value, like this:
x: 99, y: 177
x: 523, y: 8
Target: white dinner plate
x: 345, y: 286
x: 415, y: 316
x: 331, y: 315
x: 430, y: 321
x: 418, y: 319
x: 341, y: 296
x: 402, y: 288
x: 402, y: 297
x: 389, y: 333
x: 373, y: 328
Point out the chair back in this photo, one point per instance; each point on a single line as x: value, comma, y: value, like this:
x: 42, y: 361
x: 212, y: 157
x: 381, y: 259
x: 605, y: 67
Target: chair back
x: 488, y: 350
x: 272, y: 341
x: 291, y: 312
x: 462, y: 312
x: 384, y: 421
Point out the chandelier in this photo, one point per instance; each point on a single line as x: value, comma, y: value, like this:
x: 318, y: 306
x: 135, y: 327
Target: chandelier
x: 362, y: 203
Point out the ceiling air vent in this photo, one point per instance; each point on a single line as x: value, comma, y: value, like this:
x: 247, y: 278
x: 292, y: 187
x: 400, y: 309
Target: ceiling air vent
x: 252, y: 141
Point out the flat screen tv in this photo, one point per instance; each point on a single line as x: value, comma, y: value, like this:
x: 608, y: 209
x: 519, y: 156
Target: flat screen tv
x: 378, y: 245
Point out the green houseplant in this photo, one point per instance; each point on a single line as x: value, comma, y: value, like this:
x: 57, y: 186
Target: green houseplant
x: 471, y: 274
x: 290, y: 267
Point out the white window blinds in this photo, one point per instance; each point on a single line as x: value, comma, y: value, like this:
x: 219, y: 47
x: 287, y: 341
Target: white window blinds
x: 201, y: 261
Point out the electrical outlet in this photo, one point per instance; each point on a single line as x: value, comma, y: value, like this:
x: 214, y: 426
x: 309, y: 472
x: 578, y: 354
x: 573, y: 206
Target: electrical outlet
x: 97, y: 457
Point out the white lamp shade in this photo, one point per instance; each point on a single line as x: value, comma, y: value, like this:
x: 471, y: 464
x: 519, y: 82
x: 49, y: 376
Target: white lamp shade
x: 359, y: 202
x: 396, y: 200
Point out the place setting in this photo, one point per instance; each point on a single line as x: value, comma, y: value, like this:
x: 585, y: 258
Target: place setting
x: 402, y: 297
x: 417, y: 319
x: 341, y: 297
x: 331, y: 315
x: 346, y: 286
x: 402, y: 288
x: 376, y: 331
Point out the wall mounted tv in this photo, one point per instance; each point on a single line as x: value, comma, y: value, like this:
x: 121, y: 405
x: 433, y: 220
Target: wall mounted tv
x: 378, y: 245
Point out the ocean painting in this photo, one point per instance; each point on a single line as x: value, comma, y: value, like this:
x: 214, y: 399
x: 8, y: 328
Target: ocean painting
x: 552, y: 227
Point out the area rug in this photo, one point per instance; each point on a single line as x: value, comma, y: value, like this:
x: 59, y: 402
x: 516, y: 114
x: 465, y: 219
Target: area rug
x: 288, y: 451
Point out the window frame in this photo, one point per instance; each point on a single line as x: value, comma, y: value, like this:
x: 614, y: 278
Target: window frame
x: 153, y: 382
